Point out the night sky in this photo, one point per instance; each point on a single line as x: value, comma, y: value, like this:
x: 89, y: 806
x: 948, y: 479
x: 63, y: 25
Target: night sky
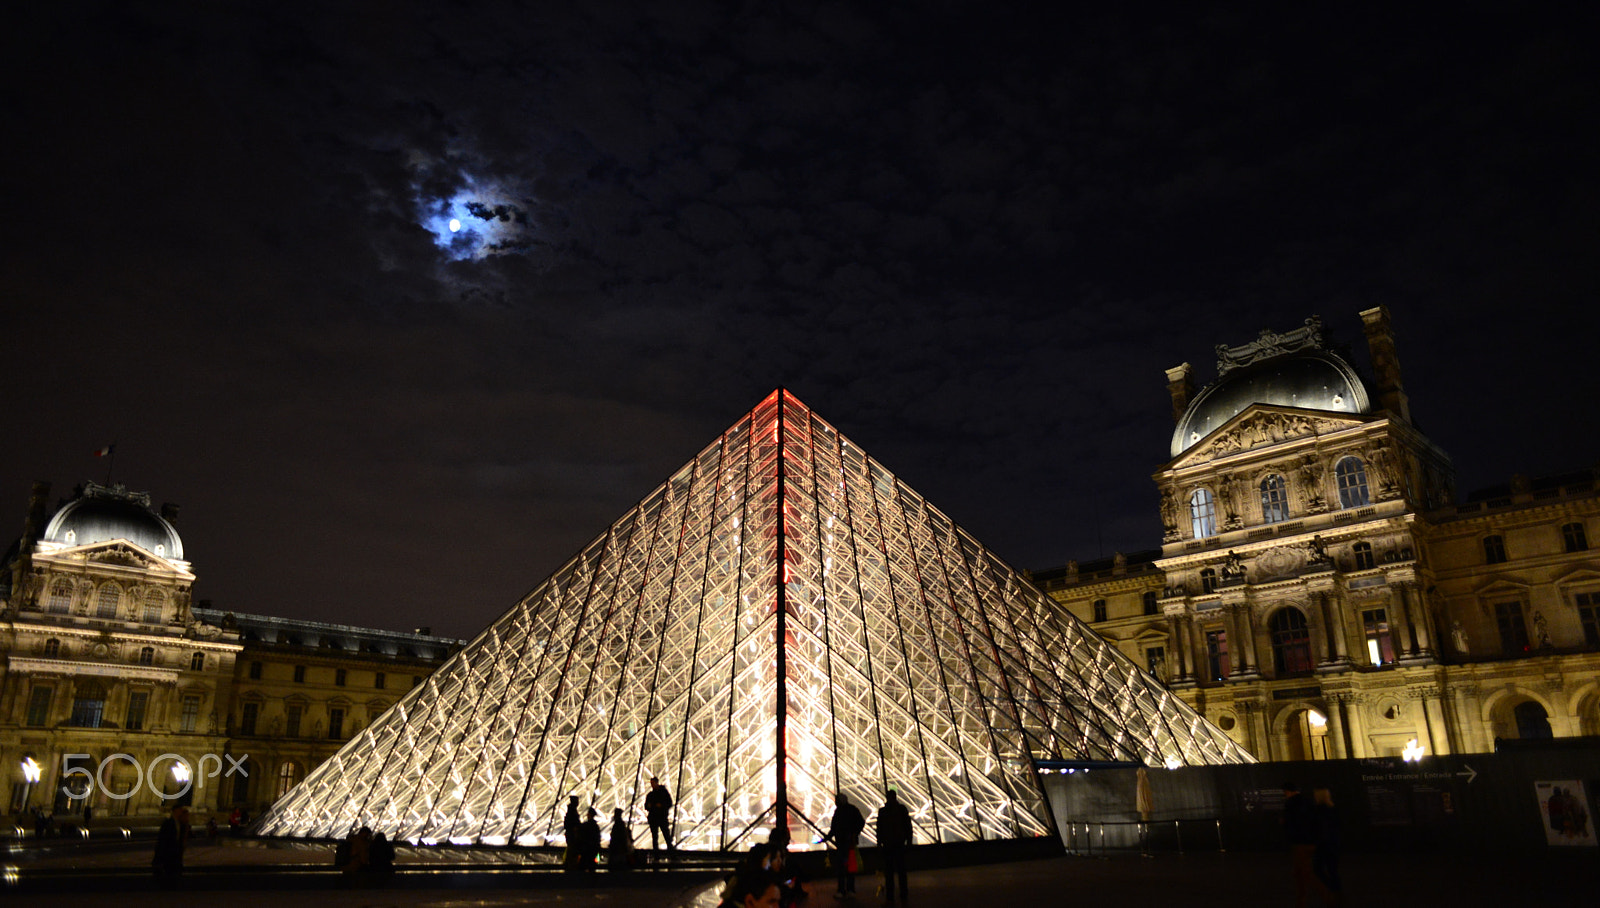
x: 970, y: 236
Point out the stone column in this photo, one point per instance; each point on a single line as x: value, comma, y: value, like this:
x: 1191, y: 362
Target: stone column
x: 1399, y: 624
x: 1338, y: 627
x: 1247, y: 643
x: 1197, y: 651
x: 1337, y: 747
x: 1417, y: 615
x: 1178, y: 635
x: 1256, y: 715
x: 1359, y: 746
x: 1433, y: 713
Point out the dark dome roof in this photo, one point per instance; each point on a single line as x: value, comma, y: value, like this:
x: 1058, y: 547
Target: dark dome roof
x: 100, y: 514
x: 1309, y: 379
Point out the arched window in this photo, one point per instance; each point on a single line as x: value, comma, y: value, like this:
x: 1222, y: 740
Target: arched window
x: 52, y: 647
x: 1099, y: 610
x: 1208, y: 580
x: 1291, y: 641
x: 1532, y: 721
x: 1351, y: 478
x: 61, y: 597
x: 106, y: 605
x: 1494, y: 549
x: 147, y: 656
x: 1574, y: 537
x: 197, y: 662
x: 1274, y: 500
x: 288, y: 775
x: 1151, y: 605
x: 1203, y: 513
x: 1363, y: 553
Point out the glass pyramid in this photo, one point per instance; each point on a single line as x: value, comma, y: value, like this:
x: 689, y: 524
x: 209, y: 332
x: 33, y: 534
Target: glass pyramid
x: 781, y: 620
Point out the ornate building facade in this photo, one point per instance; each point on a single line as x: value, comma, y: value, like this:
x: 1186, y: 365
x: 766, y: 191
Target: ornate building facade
x: 110, y: 670
x: 1319, y: 593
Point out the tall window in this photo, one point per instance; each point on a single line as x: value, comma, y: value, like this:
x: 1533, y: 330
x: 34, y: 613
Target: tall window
x: 288, y: 774
x: 1155, y: 662
x: 1589, y: 616
x: 1363, y: 553
x: 1217, y: 654
x: 1099, y: 610
x: 152, y: 608
x: 1152, y: 605
x: 39, y: 705
x: 1575, y: 538
x: 106, y: 604
x: 1203, y: 513
x: 1351, y: 478
x: 248, y: 718
x: 1291, y: 641
x: 1208, y: 580
x: 255, y: 671
x: 52, y: 648
x: 88, y: 705
x: 336, y: 724
x: 339, y: 676
x: 147, y: 656
x: 1380, y: 643
x: 377, y: 680
x: 189, y: 716
x: 1494, y: 549
x: 138, y: 704
x: 61, y: 597
x: 1274, y: 500
x: 197, y: 662
x: 299, y: 674
x: 1513, y: 630
x: 292, y: 720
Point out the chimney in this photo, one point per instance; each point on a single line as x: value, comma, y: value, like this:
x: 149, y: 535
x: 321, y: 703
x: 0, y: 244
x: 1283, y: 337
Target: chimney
x: 169, y: 512
x: 1385, y: 363
x: 1181, y: 386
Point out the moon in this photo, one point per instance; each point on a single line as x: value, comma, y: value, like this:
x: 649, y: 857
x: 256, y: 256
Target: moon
x: 455, y: 225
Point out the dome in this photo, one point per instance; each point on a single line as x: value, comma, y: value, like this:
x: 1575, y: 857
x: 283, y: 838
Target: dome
x: 1309, y: 379
x: 101, y: 514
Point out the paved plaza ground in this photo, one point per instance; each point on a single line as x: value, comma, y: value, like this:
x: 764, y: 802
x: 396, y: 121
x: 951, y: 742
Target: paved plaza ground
x: 1233, y: 880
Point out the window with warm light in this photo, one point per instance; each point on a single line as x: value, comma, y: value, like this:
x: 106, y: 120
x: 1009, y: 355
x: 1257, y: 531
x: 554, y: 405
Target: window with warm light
x: 1380, y: 645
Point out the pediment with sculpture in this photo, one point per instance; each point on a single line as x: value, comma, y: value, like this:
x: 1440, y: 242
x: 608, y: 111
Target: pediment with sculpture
x: 116, y: 553
x: 1262, y: 424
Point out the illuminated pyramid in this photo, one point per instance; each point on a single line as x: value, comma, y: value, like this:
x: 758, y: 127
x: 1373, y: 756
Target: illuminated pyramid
x: 781, y: 620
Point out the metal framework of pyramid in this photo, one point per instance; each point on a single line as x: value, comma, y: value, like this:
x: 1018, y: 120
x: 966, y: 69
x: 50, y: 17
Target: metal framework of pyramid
x: 781, y: 620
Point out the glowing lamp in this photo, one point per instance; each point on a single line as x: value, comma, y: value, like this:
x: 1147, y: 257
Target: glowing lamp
x: 30, y: 771
x: 1413, y: 751
x: 180, y: 771
x: 1316, y: 718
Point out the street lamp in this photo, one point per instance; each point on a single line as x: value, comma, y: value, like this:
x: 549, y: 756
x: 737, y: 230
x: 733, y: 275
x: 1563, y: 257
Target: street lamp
x: 30, y: 774
x: 1412, y: 752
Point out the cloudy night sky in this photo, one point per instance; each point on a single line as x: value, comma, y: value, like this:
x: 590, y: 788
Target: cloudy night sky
x: 970, y: 236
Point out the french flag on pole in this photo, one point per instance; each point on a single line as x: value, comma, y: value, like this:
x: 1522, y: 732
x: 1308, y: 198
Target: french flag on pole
x: 105, y: 451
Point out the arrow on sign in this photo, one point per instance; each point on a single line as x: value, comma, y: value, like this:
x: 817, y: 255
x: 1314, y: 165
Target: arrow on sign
x: 1470, y: 773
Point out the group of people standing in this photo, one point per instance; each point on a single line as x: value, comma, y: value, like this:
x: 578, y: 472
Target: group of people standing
x: 763, y: 880
x: 364, y: 852
x: 583, y: 832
